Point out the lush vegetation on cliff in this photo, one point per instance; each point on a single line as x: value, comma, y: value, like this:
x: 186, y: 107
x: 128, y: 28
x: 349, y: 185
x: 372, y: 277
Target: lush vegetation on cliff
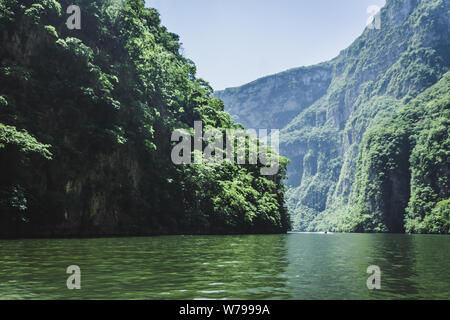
x: 86, y: 118
x: 402, y: 182
x: 343, y: 175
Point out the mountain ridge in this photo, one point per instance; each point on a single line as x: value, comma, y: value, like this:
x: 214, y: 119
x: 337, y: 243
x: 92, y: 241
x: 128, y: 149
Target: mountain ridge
x: 379, y: 72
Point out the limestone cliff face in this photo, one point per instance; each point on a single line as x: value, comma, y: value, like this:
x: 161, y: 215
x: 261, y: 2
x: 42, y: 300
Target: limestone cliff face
x: 81, y: 195
x: 339, y: 100
x: 95, y: 197
x: 84, y: 207
x: 272, y: 102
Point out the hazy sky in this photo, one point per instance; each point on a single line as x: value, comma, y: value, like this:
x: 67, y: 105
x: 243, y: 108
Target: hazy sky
x: 233, y: 42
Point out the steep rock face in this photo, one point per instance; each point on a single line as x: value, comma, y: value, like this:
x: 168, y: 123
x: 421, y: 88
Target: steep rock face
x: 271, y: 102
x: 404, y: 164
x: 382, y: 70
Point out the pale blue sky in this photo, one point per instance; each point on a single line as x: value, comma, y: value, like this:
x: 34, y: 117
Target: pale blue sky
x: 233, y: 42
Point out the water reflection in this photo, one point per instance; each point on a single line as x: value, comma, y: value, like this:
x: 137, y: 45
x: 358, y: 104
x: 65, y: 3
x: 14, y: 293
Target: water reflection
x: 327, y: 266
x: 334, y: 266
x: 293, y: 266
x: 396, y: 255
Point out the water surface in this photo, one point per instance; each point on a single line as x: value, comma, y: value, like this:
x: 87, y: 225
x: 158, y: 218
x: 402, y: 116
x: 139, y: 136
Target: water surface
x: 292, y: 266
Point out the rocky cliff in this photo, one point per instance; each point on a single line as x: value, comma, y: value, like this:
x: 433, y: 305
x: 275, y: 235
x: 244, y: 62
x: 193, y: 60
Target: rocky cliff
x: 334, y: 104
x: 273, y: 101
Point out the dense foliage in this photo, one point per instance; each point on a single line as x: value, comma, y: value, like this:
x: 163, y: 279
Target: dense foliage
x: 86, y: 118
x: 402, y: 183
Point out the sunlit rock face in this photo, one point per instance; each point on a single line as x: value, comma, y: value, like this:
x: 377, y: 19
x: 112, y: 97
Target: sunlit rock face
x: 273, y: 101
x: 325, y: 110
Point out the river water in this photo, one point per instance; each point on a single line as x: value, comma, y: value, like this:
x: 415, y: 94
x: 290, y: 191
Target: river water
x: 291, y: 266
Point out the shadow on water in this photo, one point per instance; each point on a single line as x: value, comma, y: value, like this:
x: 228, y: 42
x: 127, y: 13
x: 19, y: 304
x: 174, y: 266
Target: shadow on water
x: 189, y: 267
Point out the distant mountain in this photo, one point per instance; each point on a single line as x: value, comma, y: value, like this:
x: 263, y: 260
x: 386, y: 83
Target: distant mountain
x: 272, y: 102
x: 363, y: 158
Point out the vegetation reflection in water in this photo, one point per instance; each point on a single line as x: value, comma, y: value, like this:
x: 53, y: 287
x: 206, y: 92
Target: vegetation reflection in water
x: 293, y: 266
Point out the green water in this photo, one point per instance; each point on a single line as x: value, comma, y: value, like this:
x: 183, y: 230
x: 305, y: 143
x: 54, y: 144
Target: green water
x: 292, y: 266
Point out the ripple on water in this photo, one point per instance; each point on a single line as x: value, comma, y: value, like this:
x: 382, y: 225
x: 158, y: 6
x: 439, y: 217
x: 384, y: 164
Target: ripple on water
x: 293, y: 266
